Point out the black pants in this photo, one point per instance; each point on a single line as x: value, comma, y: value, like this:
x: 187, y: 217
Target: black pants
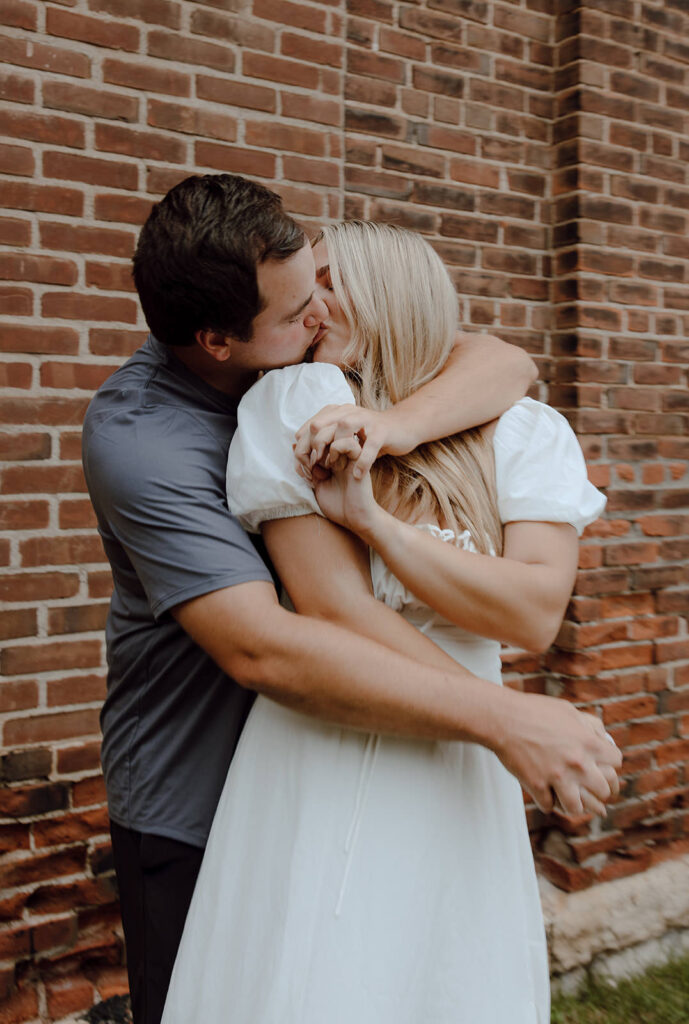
x: 156, y: 878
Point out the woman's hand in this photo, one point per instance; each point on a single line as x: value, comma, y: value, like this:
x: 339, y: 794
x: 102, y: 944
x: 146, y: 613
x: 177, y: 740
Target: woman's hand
x: 378, y: 433
x: 343, y: 497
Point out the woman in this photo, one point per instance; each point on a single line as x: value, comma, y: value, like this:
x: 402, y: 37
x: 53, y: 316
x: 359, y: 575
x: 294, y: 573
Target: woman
x: 354, y: 878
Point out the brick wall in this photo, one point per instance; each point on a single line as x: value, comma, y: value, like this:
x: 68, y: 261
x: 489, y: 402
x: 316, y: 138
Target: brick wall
x: 543, y: 148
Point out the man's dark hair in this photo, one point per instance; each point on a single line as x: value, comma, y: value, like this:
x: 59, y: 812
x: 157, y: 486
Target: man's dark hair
x: 196, y: 258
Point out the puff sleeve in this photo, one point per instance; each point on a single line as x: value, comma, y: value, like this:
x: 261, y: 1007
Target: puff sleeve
x: 262, y: 482
x: 540, y: 470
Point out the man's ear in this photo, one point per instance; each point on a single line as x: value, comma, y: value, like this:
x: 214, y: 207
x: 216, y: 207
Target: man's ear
x: 217, y: 346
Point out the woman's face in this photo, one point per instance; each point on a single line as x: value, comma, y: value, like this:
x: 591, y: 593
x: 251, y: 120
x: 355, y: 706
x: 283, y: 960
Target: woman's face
x: 337, y: 333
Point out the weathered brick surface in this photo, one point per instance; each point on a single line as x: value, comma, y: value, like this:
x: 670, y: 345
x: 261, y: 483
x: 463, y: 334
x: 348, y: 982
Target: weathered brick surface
x: 542, y: 148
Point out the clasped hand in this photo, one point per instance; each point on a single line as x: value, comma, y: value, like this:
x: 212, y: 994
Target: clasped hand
x: 377, y: 433
x: 337, y: 467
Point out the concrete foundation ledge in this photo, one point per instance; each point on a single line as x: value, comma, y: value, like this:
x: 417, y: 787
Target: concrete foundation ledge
x: 617, y: 929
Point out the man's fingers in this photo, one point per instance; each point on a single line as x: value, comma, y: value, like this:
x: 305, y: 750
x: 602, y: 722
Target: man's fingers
x: 591, y: 803
x: 569, y: 798
x: 544, y: 797
x: 613, y: 780
x: 341, y: 452
x: 596, y: 783
x: 369, y: 454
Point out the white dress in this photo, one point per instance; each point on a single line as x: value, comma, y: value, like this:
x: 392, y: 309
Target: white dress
x: 359, y: 879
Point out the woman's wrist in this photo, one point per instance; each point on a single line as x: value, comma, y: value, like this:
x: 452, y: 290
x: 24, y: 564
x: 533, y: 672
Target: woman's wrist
x: 383, y: 532
x: 374, y: 525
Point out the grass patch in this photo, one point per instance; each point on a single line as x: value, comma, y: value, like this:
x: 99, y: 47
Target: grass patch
x: 660, y: 996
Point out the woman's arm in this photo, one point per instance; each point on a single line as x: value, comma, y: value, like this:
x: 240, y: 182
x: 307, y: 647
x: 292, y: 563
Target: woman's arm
x: 519, y: 598
x: 483, y: 377
x: 326, y: 572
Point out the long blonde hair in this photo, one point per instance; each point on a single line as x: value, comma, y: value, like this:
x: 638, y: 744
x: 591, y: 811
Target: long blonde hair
x: 401, y: 307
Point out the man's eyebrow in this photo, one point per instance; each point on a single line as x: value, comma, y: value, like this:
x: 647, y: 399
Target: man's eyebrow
x: 296, y: 312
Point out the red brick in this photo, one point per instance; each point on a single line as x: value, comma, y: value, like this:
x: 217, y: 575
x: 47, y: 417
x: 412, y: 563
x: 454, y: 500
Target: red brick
x: 147, y: 78
x: 191, y: 120
x: 78, y: 689
x: 27, y: 53
x: 39, y: 586
x: 240, y: 94
x: 157, y: 12
x: 321, y: 52
x: 87, y: 239
x: 145, y: 145
x: 315, y: 172
x: 100, y: 584
x: 267, y: 135
x: 130, y: 209
x: 61, y: 550
x: 20, y: 695
x: 58, y: 934
x: 24, y: 515
x: 29, y: 801
x: 14, y: 231
x: 100, y: 32
x: 296, y: 15
x: 15, y: 375
x: 83, y: 757
x: 51, y: 479
x: 51, y: 728
x: 49, y: 657
x: 19, y: 14
x: 16, y: 160
x: 87, y: 792
x: 86, y: 307
x: 185, y: 50
x: 91, y: 170
x: 21, y: 195
x: 72, y: 828
x: 77, y: 619
x: 116, y: 277
x: 93, y: 102
x: 311, y: 108
x: 278, y: 69
x: 16, y: 301
x: 235, y: 160
x: 426, y: 23
x: 115, y: 342
x: 41, y: 269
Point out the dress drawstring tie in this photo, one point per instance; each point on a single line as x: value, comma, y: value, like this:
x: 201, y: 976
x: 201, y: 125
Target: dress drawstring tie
x: 365, y: 774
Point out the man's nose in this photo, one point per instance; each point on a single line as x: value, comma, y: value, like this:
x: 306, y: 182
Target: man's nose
x: 317, y: 312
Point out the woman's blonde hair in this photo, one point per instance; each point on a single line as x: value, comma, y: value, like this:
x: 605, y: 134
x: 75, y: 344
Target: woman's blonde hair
x: 401, y: 307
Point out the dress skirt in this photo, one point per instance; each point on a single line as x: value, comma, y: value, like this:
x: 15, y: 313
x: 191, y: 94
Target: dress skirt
x: 352, y: 878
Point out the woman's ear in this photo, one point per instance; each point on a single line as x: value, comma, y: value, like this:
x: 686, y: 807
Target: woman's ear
x: 217, y: 346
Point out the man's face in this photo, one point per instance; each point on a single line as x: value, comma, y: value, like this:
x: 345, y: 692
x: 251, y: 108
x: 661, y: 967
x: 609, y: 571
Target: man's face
x: 291, y: 318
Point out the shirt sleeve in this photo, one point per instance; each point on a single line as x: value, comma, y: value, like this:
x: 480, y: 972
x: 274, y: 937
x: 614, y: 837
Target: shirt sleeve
x: 156, y: 479
x: 540, y: 470
x: 262, y: 482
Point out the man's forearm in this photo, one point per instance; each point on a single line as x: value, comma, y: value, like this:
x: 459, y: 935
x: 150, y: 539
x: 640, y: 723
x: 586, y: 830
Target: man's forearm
x: 326, y: 671
x: 323, y: 670
x: 483, y: 377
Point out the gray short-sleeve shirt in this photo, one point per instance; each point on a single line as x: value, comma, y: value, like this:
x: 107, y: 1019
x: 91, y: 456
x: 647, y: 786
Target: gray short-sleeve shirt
x: 155, y: 451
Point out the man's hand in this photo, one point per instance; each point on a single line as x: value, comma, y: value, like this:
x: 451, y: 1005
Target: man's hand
x: 563, y: 757
x: 376, y: 433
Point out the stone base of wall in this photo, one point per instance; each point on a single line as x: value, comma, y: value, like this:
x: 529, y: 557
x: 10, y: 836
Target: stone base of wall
x: 617, y: 929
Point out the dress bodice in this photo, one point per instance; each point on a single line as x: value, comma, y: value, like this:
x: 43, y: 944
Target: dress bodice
x: 479, y: 654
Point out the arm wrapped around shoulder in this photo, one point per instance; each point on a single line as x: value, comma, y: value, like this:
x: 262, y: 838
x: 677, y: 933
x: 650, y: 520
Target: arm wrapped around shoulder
x: 540, y: 470
x: 262, y: 481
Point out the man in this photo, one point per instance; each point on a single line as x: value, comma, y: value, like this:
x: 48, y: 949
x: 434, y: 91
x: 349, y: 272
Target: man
x: 227, y: 284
